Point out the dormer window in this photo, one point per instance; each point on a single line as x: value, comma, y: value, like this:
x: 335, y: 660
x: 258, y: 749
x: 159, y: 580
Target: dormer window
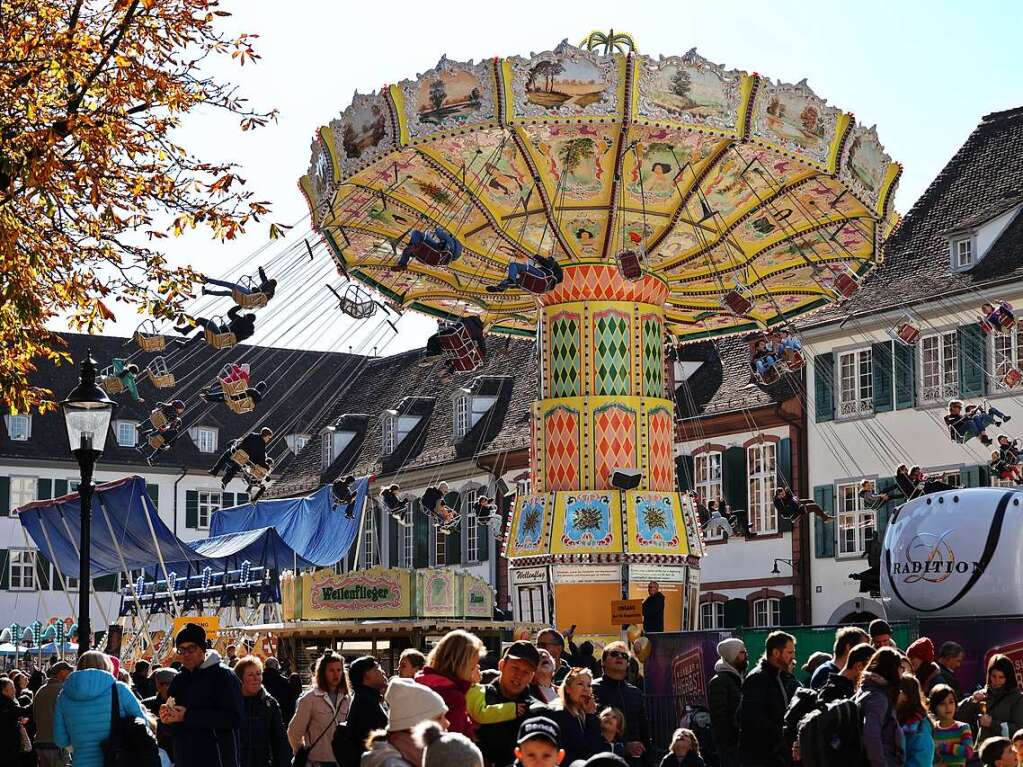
x: 333, y: 443
x: 296, y: 442
x: 394, y: 429
x: 468, y: 409
x: 963, y: 249
x: 19, y: 427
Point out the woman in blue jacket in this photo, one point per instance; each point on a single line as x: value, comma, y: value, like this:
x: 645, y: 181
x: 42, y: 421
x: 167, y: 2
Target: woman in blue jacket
x: 81, y: 719
x: 911, y: 710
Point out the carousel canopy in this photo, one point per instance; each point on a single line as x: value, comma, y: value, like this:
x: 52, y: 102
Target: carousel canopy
x: 723, y: 181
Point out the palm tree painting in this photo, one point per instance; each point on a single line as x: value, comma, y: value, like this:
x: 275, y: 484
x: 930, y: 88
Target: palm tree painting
x: 578, y: 161
x: 531, y: 524
x: 564, y: 82
x: 655, y: 522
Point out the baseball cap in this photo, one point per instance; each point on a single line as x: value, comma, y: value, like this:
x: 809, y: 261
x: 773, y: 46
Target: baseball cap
x: 539, y: 727
x: 523, y: 650
x: 605, y: 759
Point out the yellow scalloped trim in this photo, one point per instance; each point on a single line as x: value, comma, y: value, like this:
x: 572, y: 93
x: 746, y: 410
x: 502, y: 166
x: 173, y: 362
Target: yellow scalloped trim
x: 398, y: 98
x: 746, y: 87
x: 327, y: 136
x: 888, y: 187
x: 636, y: 73
x: 505, y: 85
x: 841, y: 128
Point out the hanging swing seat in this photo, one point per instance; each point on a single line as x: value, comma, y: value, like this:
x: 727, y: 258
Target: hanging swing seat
x: 459, y: 348
x: 845, y: 285
x: 158, y: 419
x: 906, y: 333
x: 629, y: 264
x: 770, y: 376
x: 1001, y: 320
x: 535, y: 283
x: 438, y: 250
x: 256, y: 473
x: 147, y: 339
x: 794, y: 360
x: 736, y: 302
x: 234, y: 380
x: 112, y: 382
x: 157, y: 442
x: 251, y: 297
x: 357, y: 303
x: 1012, y: 378
x: 240, y: 405
x: 222, y: 339
x: 159, y: 374
x: 240, y: 457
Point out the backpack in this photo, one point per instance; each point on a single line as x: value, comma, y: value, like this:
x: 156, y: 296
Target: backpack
x: 804, y: 701
x: 832, y: 736
x: 131, y: 743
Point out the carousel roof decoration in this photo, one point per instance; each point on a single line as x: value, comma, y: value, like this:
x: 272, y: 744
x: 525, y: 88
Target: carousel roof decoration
x: 724, y: 182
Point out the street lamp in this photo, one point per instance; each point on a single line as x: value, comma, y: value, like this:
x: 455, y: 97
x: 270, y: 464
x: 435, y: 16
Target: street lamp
x: 87, y: 413
x: 789, y: 562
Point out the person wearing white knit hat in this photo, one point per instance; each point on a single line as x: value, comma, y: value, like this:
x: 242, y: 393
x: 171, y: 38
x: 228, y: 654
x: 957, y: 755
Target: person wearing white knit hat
x: 409, y: 703
x: 723, y: 692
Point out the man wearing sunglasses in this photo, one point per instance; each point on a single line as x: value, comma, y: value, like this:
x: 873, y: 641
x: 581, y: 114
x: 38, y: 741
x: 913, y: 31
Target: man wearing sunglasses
x: 204, y: 709
x: 612, y: 690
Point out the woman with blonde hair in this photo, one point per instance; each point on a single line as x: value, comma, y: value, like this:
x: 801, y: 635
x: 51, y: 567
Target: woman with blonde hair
x: 575, y: 712
x: 453, y: 671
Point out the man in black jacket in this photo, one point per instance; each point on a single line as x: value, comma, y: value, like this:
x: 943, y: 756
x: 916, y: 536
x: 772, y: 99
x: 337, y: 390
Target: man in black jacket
x: 653, y: 609
x: 517, y: 666
x: 612, y: 690
x: 278, y: 686
x: 254, y: 444
x: 208, y: 710
x: 367, y: 682
x: 950, y: 658
x: 723, y: 691
x: 762, y: 706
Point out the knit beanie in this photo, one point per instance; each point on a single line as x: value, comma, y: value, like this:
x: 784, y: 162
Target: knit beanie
x: 410, y: 703
x: 192, y: 632
x: 446, y: 749
x: 923, y: 649
x: 729, y: 650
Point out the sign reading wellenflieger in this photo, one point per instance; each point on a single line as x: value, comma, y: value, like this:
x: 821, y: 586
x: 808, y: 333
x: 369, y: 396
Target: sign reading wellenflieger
x: 956, y: 553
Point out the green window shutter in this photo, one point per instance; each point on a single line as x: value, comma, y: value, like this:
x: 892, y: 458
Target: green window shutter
x: 154, y: 494
x: 884, y: 513
x: 241, y: 498
x: 59, y: 488
x: 483, y: 530
x: 881, y: 369
x: 734, y: 480
x: 974, y: 476
x: 5, y: 570
x: 226, y: 500
x: 42, y: 572
x: 106, y: 582
x: 736, y: 613
x: 824, y: 532
x: 684, y: 473
x: 783, y: 455
x: 5, y: 497
x: 971, y: 360
x: 905, y: 376
x: 788, y: 610
x: 393, y: 543
x: 421, y: 533
x: 824, y: 386
x: 44, y: 489
x: 192, y: 509
x: 453, y: 545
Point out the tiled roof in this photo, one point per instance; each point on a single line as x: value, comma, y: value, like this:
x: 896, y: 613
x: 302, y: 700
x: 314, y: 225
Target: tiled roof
x: 983, y: 179
x: 723, y: 382
x: 299, y: 390
x: 510, y: 368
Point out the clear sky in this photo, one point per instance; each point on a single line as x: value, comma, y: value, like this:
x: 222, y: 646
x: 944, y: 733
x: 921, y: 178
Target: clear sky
x: 924, y: 72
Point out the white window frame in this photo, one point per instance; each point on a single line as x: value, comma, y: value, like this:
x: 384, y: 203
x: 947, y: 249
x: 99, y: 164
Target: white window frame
x: 388, y: 441
x: 470, y: 523
x: 941, y: 383
x: 766, y: 612
x: 715, y: 612
x: 296, y: 442
x: 855, y: 383
x: 1005, y: 352
x: 852, y: 520
x: 133, y: 425
x: 370, y: 542
x: 440, y: 547
x: 24, y: 428
x: 961, y: 247
x: 762, y: 477
x: 199, y: 435
x: 21, y: 566
x: 406, y: 543
x: 708, y: 484
x: 461, y: 409
x: 23, y: 490
x: 523, y: 487
x: 209, y: 501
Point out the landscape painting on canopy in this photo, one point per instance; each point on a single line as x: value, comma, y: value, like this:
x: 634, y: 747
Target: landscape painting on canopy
x: 453, y: 94
x: 564, y: 82
x: 696, y: 91
x: 365, y: 127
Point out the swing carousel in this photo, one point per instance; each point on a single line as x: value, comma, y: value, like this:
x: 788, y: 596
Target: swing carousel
x: 682, y: 201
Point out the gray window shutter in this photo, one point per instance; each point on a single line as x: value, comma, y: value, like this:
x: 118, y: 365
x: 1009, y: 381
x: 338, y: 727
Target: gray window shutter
x: 787, y: 605
x: 905, y: 376
x: 59, y: 488
x: 393, y: 550
x: 971, y: 360
x: 734, y: 480
x: 453, y: 546
x: 483, y: 531
x: 192, y: 509
x: 884, y: 512
x: 684, y: 473
x: 421, y: 532
x: 824, y: 532
x: 5, y: 498
x: 784, y: 469
x: 881, y: 369
x: 44, y: 489
x: 736, y: 612
x: 824, y: 386
x: 154, y: 494
x: 5, y: 570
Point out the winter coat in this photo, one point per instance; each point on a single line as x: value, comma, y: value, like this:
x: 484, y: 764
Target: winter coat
x: 653, y: 613
x: 281, y: 691
x: 44, y: 706
x: 628, y: 699
x: 919, y: 738
x: 929, y: 674
x: 689, y: 760
x: 580, y: 739
x: 145, y: 686
x: 883, y: 740
x: 82, y: 716
x: 1002, y: 706
x: 723, y: 693
x: 453, y: 691
x: 761, y: 718
x: 497, y: 741
x: 367, y: 713
x: 822, y: 674
x: 383, y: 754
x: 212, y: 697
x: 315, y: 714
x: 948, y: 677
x: 263, y: 739
x: 10, y: 731
x: 837, y: 688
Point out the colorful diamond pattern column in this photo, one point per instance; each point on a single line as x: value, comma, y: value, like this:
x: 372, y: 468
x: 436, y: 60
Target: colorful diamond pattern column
x: 653, y: 357
x: 660, y: 449
x: 611, y: 353
x: 614, y: 442
x: 564, y: 356
x: 561, y: 449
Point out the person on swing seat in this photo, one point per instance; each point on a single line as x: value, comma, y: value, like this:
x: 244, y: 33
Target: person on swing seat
x: 790, y: 507
x: 343, y: 491
x: 433, y: 503
x: 266, y: 286
x: 395, y: 504
x: 420, y: 243
x: 966, y: 422
x: 996, y: 316
x: 541, y: 267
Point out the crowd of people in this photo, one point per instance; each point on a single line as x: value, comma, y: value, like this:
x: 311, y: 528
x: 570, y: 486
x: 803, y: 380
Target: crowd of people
x: 867, y: 704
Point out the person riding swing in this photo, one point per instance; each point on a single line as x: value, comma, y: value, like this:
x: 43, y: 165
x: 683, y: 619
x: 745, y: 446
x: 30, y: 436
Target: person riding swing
x: 433, y: 502
x: 438, y: 249
x: 538, y: 275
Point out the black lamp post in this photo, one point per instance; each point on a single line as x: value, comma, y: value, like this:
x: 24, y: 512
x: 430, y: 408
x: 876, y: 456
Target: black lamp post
x: 789, y: 562
x: 87, y: 413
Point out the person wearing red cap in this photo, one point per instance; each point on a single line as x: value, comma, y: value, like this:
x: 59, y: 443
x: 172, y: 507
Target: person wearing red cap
x: 921, y: 658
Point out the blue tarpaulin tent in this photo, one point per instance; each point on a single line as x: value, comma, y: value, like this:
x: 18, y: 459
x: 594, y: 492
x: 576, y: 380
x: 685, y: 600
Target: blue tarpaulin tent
x: 128, y: 534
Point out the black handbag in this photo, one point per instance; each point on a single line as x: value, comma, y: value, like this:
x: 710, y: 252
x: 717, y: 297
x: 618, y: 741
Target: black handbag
x: 131, y: 743
x: 301, y: 757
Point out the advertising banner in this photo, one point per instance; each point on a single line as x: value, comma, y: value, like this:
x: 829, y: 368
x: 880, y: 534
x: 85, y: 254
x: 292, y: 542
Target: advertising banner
x: 477, y: 598
x: 436, y: 595
x: 373, y: 593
